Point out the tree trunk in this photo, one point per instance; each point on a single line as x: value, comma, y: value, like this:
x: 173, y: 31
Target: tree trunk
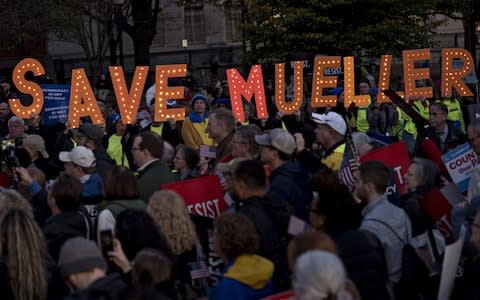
x: 141, y: 43
x: 143, y: 29
x: 470, y: 39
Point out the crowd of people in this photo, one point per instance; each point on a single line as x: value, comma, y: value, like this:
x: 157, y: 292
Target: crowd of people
x: 83, y: 214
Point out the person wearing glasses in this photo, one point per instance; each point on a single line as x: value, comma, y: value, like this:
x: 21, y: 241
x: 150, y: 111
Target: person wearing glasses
x: 147, y: 151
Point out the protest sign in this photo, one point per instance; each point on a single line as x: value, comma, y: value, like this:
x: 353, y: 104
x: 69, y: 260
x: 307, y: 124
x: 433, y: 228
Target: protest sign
x: 396, y: 157
x: 449, y: 269
x: 460, y: 163
x: 203, y: 196
x: 56, y: 103
x: 84, y: 102
x: 438, y: 210
x: 288, y: 295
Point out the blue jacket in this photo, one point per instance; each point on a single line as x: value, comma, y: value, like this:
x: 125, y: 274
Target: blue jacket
x: 291, y: 180
x: 248, y: 277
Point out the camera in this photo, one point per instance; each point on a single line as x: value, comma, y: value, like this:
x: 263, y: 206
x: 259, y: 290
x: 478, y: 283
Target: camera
x: 7, y: 152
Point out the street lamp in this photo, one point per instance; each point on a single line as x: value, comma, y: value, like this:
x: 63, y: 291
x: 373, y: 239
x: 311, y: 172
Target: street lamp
x: 119, y: 17
x: 185, y: 45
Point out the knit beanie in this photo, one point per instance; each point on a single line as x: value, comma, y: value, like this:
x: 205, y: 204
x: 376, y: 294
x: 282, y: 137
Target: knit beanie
x: 199, y: 97
x: 80, y: 255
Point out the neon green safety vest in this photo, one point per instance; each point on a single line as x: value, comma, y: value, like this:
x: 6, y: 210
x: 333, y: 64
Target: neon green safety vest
x: 157, y: 129
x: 115, y: 150
x: 362, y: 122
x: 455, y: 111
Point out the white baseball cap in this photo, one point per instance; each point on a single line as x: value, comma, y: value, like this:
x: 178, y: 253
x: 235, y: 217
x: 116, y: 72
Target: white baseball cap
x: 333, y: 120
x: 79, y: 155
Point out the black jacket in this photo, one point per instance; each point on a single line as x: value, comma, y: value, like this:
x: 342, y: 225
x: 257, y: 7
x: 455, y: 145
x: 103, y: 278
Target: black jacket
x: 411, y: 203
x: 104, y: 161
x: 291, y: 180
x: 270, y: 215
x: 63, y: 226
x: 455, y: 138
x: 109, y: 287
x: 365, y: 267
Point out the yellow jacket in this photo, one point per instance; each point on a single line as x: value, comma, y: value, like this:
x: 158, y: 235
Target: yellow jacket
x: 194, y: 134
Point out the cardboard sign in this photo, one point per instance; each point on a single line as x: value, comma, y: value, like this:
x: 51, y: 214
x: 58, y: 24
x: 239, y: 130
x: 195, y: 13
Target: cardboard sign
x: 460, y: 163
x: 394, y: 156
x: 57, y: 98
x: 203, y: 196
x: 449, y: 269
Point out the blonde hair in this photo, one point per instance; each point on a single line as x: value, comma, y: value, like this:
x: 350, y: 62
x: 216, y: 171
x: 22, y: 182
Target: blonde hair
x: 23, y: 245
x: 170, y: 214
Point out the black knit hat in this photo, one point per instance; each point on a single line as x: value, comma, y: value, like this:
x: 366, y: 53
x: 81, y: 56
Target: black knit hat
x: 80, y: 255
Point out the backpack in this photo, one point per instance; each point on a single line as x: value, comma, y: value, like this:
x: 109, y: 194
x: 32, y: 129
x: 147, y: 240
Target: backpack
x: 415, y: 277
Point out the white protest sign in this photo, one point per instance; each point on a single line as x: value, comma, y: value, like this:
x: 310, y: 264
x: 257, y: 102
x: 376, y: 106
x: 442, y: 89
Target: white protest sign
x: 460, y: 163
x: 449, y: 269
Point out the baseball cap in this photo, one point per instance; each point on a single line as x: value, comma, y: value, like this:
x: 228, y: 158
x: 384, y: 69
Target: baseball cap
x: 93, y: 132
x: 79, y: 255
x: 279, y: 139
x: 332, y: 119
x: 36, y: 142
x: 79, y: 155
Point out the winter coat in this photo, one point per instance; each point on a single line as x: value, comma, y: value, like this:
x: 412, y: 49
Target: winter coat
x: 61, y: 227
x: 151, y: 178
x: 270, y: 215
x: 365, y: 267
x: 106, y: 288
x: 291, y: 181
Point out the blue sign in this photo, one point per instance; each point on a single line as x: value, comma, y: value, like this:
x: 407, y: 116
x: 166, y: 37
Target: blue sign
x: 57, y: 99
x: 460, y: 163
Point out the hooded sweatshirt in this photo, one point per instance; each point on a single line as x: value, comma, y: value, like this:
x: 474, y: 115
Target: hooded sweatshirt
x: 247, y: 277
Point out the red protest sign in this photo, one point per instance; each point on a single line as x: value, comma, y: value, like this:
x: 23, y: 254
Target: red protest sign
x: 394, y: 156
x: 203, y: 195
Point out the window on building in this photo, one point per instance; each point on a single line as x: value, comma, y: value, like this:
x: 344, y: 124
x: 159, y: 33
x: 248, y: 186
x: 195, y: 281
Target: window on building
x: 233, y: 22
x: 194, y: 24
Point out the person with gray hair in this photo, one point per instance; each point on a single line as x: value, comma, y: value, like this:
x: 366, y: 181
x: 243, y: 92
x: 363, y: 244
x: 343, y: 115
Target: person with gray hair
x: 16, y: 128
x: 320, y: 275
x: 243, y: 141
x: 422, y: 176
x: 168, y: 153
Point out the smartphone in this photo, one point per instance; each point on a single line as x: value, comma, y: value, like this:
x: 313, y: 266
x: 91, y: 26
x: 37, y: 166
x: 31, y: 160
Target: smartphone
x: 106, y: 241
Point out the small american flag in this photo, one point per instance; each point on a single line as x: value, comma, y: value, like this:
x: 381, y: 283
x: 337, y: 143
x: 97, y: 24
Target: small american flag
x: 349, y: 165
x: 201, y: 271
x: 207, y: 151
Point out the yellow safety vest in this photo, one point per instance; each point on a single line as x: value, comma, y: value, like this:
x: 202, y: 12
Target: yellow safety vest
x: 157, y: 129
x: 455, y: 111
x: 334, y: 160
x: 115, y: 150
x: 362, y: 122
x: 398, y: 128
x: 423, y: 111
